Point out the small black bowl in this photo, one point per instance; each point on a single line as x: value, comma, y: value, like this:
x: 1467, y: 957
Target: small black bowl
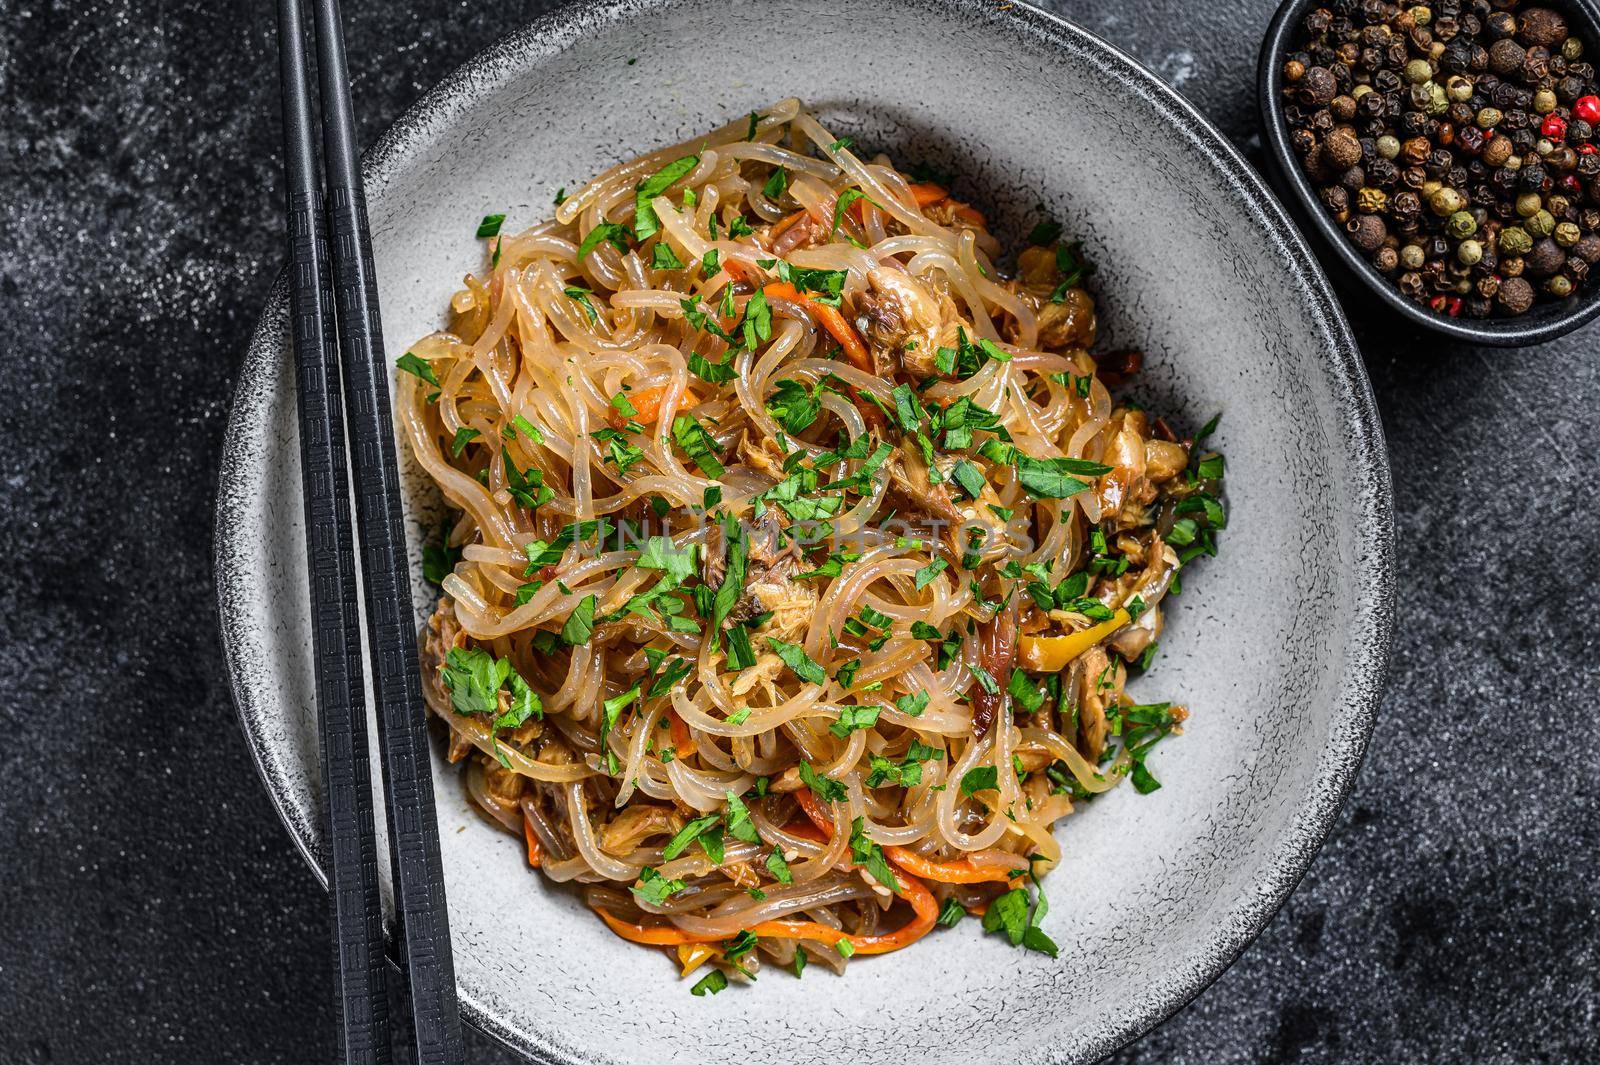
x: 1545, y: 321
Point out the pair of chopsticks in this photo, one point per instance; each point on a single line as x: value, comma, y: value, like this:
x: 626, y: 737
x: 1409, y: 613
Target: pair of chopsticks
x: 342, y: 378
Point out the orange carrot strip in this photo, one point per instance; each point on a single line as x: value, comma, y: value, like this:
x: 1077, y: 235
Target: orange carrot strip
x: 970, y: 215
x: 652, y: 935
x: 648, y: 404
x: 962, y: 871
x: 928, y: 195
x: 682, y: 741
x: 782, y: 224
x: 831, y: 319
x: 535, y: 851
x: 924, y: 908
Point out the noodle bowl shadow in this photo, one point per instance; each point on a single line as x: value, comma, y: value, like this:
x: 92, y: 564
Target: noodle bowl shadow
x: 1278, y: 646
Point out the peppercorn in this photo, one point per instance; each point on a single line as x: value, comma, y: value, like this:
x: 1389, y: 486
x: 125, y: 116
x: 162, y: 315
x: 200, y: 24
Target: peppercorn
x: 1461, y: 225
x: 1545, y: 259
x: 1542, y: 26
x: 1445, y: 201
x: 1316, y: 87
x: 1470, y: 109
x: 1559, y: 286
x: 1367, y: 232
x: 1507, y: 58
x: 1342, y: 149
x: 1514, y: 240
x: 1515, y: 296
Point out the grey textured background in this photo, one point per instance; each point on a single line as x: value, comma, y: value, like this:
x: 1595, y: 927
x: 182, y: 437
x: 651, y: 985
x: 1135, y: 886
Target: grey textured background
x: 151, y: 907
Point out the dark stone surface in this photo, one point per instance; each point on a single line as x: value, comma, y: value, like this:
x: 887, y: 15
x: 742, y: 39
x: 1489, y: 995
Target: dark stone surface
x: 151, y: 907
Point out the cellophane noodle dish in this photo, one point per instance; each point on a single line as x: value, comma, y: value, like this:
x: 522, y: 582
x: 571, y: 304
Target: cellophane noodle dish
x: 799, y: 551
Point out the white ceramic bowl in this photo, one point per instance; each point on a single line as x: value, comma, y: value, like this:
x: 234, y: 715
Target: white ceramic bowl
x: 1278, y: 646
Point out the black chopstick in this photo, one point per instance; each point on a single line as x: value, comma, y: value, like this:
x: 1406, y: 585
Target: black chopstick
x: 352, y: 857
x: 352, y: 315
x: 418, y: 872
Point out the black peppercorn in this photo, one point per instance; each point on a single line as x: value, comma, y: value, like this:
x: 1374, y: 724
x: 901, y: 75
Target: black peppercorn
x: 1537, y: 63
x: 1501, y: 24
x: 1533, y: 178
x: 1316, y: 88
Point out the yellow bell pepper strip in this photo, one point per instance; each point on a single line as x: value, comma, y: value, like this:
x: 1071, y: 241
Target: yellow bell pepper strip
x: 1050, y: 654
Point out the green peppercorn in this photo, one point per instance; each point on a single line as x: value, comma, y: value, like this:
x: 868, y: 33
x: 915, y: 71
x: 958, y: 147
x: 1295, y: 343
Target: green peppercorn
x: 1418, y: 71
x: 1567, y: 234
x: 1388, y: 146
x: 1514, y: 240
x: 1421, y: 15
x: 1571, y: 49
x: 1529, y: 204
x: 1544, y: 101
x: 1438, y: 101
x: 1488, y: 118
x: 1559, y: 286
x: 1461, y: 225
x: 1458, y: 88
x: 1470, y: 252
x: 1412, y: 257
x: 1541, y: 224
x: 1446, y: 201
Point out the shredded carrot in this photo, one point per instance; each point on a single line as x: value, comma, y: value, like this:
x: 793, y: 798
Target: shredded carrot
x: 928, y: 195
x: 651, y: 935
x: 924, y: 910
x: 648, y: 404
x: 969, y: 214
x: 535, y: 851
x: 832, y: 320
x: 784, y: 223
x: 682, y: 741
x: 957, y: 872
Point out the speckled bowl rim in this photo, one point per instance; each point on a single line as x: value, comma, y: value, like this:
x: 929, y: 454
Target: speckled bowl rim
x: 1373, y: 522
x: 1286, y: 169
